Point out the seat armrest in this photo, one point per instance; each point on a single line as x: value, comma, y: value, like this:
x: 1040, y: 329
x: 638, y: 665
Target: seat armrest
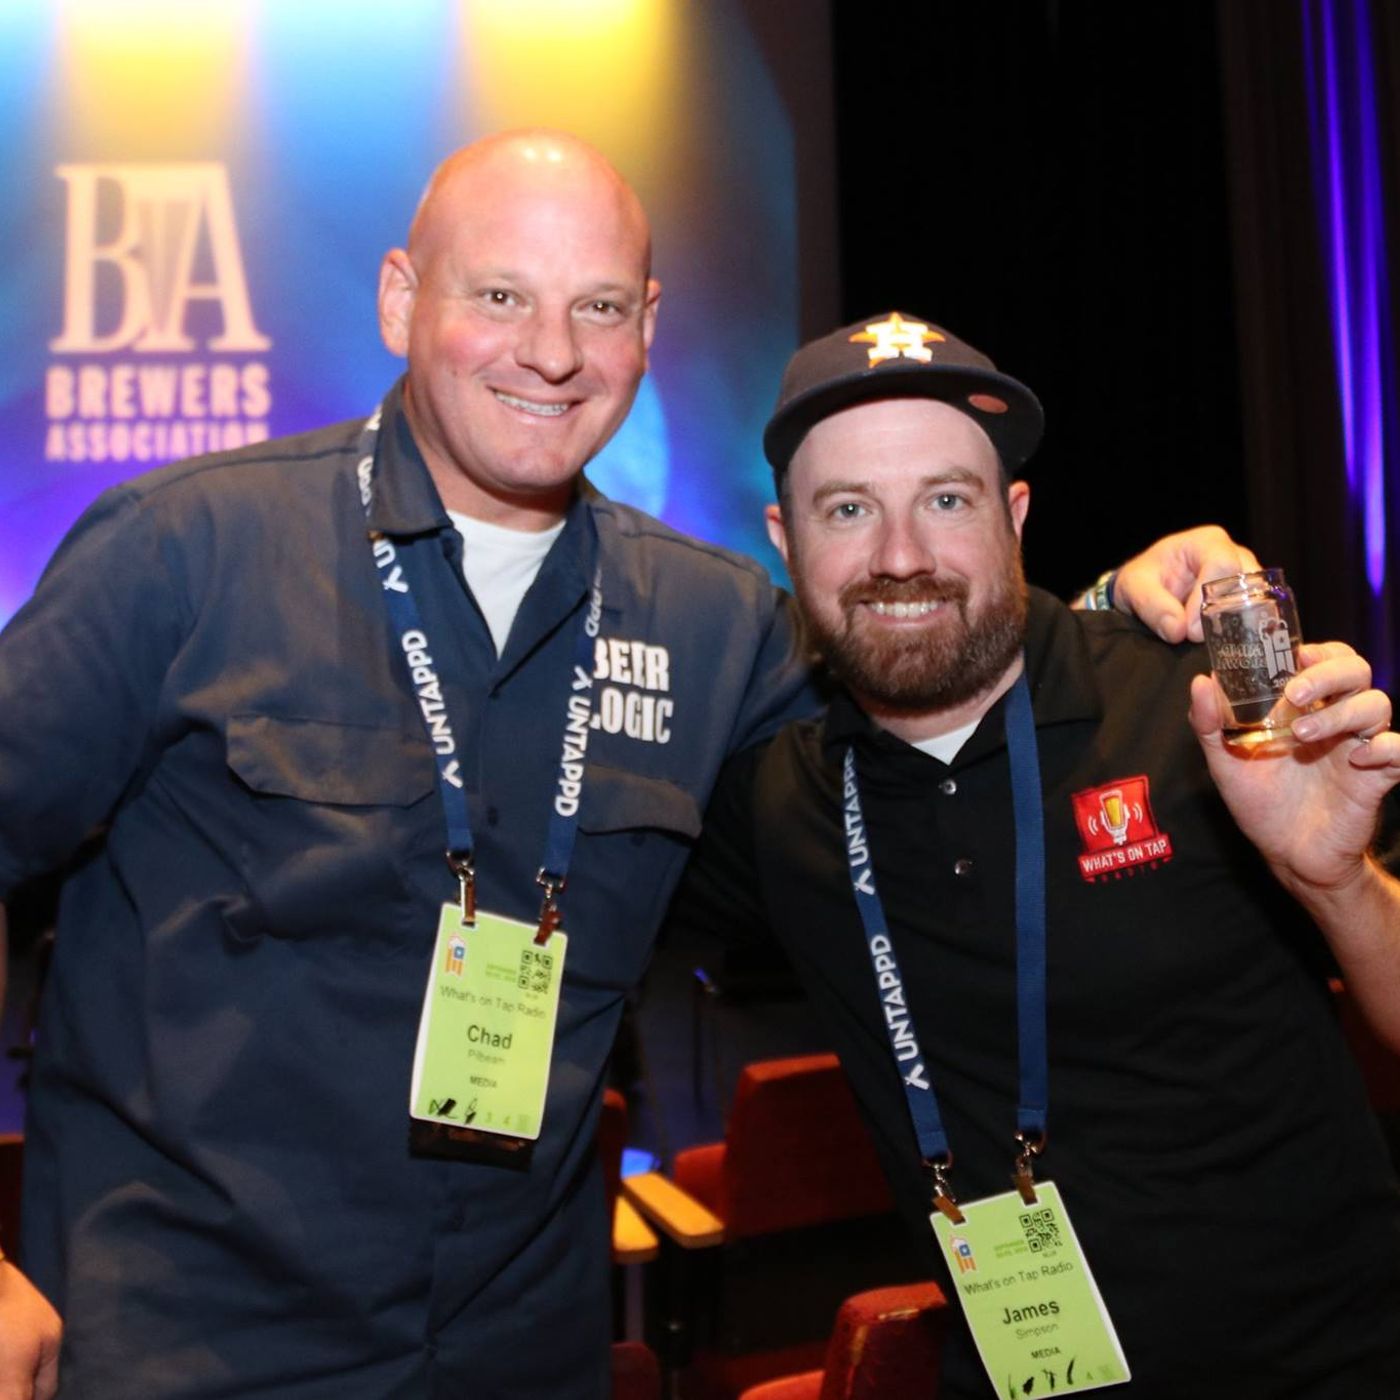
x: 806, y: 1385
x: 633, y: 1240
x: 679, y: 1215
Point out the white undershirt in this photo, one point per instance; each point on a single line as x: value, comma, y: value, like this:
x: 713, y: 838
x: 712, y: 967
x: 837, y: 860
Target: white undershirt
x: 499, y: 566
x: 946, y: 746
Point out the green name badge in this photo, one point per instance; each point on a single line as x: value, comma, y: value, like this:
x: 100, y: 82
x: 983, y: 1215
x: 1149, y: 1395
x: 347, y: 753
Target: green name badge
x: 487, y: 1029
x: 1032, y: 1304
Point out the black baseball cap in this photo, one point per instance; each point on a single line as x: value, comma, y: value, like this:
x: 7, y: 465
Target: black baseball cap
x: 900, y: 356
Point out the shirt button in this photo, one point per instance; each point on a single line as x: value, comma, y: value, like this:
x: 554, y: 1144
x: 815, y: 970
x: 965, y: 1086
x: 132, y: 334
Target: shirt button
x: 962, y: 866
x: 948, y: 787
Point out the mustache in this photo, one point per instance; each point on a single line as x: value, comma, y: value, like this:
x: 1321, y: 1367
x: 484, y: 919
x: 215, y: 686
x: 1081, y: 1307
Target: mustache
x: 922, y: 588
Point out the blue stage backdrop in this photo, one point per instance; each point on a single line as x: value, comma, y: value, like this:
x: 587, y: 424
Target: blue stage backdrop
x: 198, y: 197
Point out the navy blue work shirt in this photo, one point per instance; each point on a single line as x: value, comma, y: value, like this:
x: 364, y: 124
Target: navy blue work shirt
x: 220, y: 1197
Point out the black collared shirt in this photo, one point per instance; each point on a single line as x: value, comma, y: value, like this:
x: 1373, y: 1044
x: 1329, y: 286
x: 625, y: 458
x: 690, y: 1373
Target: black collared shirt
x: 1199, y: 1091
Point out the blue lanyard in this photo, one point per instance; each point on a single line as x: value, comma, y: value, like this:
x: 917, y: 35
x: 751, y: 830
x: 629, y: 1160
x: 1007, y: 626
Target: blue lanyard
x: 1034, y: 1074
x: 432, y: 704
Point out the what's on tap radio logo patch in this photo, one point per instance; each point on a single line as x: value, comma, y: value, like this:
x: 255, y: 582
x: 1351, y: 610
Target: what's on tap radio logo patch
x: 1117, y: 830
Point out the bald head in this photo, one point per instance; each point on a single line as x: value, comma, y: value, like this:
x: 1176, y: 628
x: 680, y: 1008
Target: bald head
x: 525, y: 307
x: 537, y: 159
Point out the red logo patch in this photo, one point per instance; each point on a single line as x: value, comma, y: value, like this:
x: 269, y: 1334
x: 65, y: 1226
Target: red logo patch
x: 1118, y: 830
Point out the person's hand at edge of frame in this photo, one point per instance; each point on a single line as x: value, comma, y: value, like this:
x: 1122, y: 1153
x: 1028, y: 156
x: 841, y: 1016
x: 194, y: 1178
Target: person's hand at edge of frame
x: 30, y: 1331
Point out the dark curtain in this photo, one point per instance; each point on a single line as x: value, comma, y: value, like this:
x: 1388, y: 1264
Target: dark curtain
x: 1116, y: 202
x: 1048, y: 180
x: 1300, y: 513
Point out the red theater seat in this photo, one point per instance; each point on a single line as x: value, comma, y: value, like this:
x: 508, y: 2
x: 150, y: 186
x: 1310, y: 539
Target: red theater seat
x: 636, y: 1375
x: 765, y: 1233
x: 887, y: 1343
x: 795, y: 1153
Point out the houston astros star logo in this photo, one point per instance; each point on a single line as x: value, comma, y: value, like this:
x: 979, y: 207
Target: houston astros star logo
x: 896, y: 338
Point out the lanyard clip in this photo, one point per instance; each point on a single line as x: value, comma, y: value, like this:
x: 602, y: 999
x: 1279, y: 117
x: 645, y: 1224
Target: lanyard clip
x: 943, y: 1198
x: 1032, y: 1145
x: 553, y: 886
x: 460, y: 864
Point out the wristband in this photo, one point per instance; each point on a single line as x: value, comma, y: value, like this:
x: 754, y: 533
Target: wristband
x: 1099, y: 597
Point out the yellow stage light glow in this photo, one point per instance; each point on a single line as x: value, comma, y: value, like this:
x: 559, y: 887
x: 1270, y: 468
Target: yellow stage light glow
x: 158, y: 77
x: 596, y: 67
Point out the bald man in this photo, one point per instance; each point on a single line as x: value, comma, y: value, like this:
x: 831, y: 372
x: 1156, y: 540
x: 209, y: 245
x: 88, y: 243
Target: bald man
x: 361, y: 720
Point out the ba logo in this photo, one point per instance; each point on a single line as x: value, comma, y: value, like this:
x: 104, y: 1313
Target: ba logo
x: 145, y: 242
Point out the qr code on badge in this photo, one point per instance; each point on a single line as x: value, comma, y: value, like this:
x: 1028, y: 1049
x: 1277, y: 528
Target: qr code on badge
x: 1041, y: 1229
x: 536, y: 969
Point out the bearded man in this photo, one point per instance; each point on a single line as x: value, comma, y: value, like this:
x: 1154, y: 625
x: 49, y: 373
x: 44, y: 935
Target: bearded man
x: 1005, y: 867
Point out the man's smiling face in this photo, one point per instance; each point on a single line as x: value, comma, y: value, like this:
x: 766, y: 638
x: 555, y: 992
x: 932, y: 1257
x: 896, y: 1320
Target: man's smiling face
x: 525, y: 310
x: 904, y: 549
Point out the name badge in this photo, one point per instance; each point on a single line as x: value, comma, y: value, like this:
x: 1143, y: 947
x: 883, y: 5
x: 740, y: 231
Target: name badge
x: 1030, y: 1300
x: 486, y: 1034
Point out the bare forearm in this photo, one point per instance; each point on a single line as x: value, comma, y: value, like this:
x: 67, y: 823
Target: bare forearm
x: 1361, y: 921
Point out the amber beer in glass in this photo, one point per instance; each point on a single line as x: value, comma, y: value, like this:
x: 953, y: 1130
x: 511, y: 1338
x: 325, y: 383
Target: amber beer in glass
x: 1252, y: 635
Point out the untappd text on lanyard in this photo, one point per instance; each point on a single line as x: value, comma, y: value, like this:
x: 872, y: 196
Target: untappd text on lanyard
x: 1025, y: 1287
x: 486, y: 1030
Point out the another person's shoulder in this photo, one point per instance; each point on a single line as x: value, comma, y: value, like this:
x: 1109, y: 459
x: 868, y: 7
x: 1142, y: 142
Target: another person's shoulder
x: 261, y: 472
x: 727, y: 626
x: 1116, y: 643
x: 757, y: 784
x: 650, y: 548
x: 793, y: 764
x: 257, y: 491
x: 1142, y: 683
x: 261, y: 490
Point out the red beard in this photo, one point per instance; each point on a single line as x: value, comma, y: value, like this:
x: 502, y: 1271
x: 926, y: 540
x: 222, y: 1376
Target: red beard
x: 951, y: 660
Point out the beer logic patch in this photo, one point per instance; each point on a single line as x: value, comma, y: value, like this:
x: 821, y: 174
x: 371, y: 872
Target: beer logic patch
x: 1118, y: 830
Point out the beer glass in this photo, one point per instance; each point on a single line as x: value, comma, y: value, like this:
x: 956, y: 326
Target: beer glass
x: 1252, y: 636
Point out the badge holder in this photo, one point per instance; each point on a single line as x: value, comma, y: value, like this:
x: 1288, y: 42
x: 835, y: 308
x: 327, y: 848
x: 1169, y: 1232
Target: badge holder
x: 1029, y: 1297
x: 485, y: 1039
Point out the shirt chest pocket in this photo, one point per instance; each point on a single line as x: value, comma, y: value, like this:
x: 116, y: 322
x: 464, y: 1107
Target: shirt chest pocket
x: 635, y: 834
x: 329, y: 814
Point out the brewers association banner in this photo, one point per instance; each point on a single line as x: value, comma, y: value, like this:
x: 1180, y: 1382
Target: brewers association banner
x: 197, y: 197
